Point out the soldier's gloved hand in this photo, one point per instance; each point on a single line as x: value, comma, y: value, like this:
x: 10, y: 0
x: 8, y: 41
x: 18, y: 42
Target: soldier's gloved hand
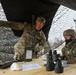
x: 39, y: 49
x: 16, y: 56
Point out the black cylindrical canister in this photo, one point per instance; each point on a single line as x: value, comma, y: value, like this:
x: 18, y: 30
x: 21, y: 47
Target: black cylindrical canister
x: 50, y: 64
x: 55, y: 56
x: 58, y: 67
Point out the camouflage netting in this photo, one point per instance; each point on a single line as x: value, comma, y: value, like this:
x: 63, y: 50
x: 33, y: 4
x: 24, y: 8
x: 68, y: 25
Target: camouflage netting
x: 7, y: 42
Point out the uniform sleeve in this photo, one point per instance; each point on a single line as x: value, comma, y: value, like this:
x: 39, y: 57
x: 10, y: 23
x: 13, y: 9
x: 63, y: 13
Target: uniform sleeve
x: 13, y: 25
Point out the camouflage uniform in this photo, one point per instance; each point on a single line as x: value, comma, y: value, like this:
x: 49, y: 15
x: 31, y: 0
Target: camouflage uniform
x: 69, y: 50
x: 30, y: 37
x: 28, y: 40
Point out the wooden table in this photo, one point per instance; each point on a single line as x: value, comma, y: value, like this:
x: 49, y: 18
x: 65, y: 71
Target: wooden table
x: 71, y: 70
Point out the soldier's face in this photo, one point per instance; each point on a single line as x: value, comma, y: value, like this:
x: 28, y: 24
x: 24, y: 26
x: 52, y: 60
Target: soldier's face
x: 67, y: 37
x: 39, y: 25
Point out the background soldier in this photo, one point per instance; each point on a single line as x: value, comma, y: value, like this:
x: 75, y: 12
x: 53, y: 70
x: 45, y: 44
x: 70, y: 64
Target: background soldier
x: 32, y: 36
x: 69, y: 50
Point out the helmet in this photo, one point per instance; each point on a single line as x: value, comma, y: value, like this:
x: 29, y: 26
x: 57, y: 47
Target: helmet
x: 41, y: 19
x: 70, y: 32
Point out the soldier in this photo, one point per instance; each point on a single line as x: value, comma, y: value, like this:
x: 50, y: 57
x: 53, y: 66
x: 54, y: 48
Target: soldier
x: 32, y: 36
x: 69, y: 50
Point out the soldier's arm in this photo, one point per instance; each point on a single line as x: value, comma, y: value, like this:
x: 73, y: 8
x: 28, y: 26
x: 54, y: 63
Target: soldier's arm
x: 41, y: 44
x: 13, y: 25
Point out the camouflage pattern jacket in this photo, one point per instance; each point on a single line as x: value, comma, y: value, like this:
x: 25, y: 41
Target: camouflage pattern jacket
x: 69, y: 52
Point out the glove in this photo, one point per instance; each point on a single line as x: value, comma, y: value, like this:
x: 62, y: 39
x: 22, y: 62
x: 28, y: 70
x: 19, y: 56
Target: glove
x: 39, y: 50
x: 19, y: 52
